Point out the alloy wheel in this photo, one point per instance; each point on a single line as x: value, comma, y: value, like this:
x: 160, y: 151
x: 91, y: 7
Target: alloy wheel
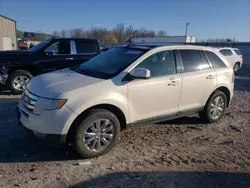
x: 217, y: 107
x: 98, y: 135
x: 20, y: 82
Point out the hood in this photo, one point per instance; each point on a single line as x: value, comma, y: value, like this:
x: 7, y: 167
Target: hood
x: 50, y: 85
x: 14, y: 52
x: 8, y: 55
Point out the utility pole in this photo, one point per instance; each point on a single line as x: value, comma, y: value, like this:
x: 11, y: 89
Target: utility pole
x: 186, y: 29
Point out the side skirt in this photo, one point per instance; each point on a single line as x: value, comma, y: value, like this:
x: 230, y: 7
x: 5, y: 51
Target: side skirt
x: 164, y: 118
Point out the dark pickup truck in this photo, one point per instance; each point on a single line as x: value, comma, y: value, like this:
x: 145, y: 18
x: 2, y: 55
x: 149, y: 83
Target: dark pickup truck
x: 18, y: 67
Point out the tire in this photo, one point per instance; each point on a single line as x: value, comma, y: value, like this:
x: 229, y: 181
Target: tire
x: 14, y: 77
x: 94, y: 116
x: 207, y: 114
x: 236, y: 67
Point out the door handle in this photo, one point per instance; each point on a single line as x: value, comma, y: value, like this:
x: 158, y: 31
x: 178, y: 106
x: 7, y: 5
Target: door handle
x: 69, y: 58
x: 209, y: 77
x: 173, y: 83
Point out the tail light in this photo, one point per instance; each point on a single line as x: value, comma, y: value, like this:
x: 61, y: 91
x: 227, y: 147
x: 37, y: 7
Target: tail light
x: 233, y: 77
x: 242, y: 57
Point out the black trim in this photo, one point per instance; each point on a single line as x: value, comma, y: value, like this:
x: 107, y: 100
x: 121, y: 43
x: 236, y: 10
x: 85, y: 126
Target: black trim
x: 178, y: 59
x: 203, y: 52
x: 164, y: 117
x: 205, y: 60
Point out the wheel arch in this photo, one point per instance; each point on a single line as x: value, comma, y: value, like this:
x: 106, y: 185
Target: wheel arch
x: 112, y: 108
x: 224, y: 90
x: 30, y: 70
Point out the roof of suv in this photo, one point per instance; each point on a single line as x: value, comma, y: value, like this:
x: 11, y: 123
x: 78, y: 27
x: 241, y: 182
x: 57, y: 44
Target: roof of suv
x: 228, y: 48
x: 156, y: 45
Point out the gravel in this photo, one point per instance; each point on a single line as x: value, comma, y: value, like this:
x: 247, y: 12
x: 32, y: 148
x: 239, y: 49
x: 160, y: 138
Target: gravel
x: 178, y: 153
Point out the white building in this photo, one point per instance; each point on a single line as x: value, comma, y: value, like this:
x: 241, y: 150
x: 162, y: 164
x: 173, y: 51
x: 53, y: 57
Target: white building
x: 7, y: 34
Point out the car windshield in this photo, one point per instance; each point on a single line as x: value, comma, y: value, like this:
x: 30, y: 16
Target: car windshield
x: 111, y: 63
x: 237, y: 52
x: 39, y: 46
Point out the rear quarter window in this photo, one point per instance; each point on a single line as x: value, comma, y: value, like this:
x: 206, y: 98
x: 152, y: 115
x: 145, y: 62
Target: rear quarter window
x: 226, y: 52
x: 214, y: 60
x: 84, y: 47
x: 238, y: 52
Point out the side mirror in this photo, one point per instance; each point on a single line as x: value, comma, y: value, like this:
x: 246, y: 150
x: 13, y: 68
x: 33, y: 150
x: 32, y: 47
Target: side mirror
x: 49, y: 52
x: 140, y: 73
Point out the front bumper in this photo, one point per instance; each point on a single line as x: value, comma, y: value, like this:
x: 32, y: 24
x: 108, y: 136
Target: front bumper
x: 3, y: 78
x: 50, y: 125
x: 53, y: 139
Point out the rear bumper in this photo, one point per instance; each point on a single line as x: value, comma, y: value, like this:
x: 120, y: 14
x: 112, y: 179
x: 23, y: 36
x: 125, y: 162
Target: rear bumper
x: 53, y: 139
x: 3, y: 78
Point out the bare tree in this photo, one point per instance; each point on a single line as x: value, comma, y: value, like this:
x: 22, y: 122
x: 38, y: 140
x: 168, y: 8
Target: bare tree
x: 77, y: 33
x: 129, y: 32
x: 55, y: 34
x: 119, y: 31
x: 119, y: 34
x: 110, y: 37
x: 99, y: 33
x: 64, y: 33
x: 162, y: 33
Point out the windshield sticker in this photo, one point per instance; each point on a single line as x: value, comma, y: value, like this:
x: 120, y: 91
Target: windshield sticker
x: 136, y: 52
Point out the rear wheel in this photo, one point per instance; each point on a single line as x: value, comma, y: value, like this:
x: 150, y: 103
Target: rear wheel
x: 97, y: 134
x: 215, y: 107
x: 18, y: 80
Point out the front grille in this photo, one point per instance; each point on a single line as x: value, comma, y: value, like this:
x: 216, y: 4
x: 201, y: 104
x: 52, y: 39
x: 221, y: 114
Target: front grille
x: 29, y: 100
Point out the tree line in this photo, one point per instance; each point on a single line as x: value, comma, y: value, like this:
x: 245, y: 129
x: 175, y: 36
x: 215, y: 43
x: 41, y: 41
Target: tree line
x: 119, y: 34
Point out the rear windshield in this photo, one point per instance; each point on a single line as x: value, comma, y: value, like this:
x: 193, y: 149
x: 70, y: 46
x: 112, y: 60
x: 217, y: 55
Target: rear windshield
x: 237, y: 52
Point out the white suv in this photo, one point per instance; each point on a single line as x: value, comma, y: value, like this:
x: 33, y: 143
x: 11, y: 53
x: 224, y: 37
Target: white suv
x: 233, y: 56
x: 90, y: 104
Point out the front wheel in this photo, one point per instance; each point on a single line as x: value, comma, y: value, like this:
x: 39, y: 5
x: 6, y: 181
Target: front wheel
x: 215, y: 107
x: 18, y: 80
x: 97, y: 134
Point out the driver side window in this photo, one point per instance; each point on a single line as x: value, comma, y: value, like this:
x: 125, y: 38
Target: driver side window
x: 61, y: 47
x: 160, y: 64
x: 54, y: 47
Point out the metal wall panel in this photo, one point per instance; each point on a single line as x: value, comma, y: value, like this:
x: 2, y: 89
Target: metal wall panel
x: 8, y: 29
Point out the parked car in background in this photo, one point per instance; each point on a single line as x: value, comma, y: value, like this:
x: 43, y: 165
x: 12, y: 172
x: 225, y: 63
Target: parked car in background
x: 22, y: 45
x: 88, y: 105
x: 234, y: 57
x: 18, y: 67
x: 103, y: 48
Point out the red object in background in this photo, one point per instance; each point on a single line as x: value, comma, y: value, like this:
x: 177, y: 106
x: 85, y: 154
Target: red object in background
x: 22, y: 45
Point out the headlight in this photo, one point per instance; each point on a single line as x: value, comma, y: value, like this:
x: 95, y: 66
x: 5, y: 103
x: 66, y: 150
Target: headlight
x: 56, y: 104
x: 48, y: 104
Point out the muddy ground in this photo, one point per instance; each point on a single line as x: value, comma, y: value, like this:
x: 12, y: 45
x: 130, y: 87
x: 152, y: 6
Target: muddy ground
x: 181, y: 153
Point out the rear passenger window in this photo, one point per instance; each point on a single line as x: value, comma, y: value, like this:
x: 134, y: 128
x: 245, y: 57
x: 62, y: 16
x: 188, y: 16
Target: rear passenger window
x: 214, y: 60
x: 192, y: 60
x: 83, y: 47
